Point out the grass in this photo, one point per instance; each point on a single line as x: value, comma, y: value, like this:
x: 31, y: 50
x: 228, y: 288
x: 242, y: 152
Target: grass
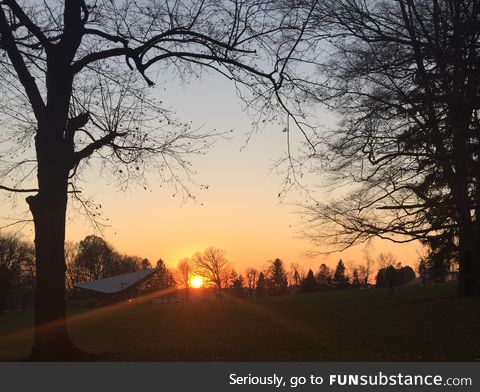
x: 414, y: 324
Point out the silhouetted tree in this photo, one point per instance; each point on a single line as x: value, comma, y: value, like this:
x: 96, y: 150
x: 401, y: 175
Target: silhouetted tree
x: 166, y: 277
x: 365, y: 270
x: 392, y: 276
x: 296, y: 274
x: 252, y: 278
x: 403, y: 77
x: 68, y: 83
x: 309, y: 284
x: 146, y: 264
x: 340, y: 279
x: 237, y: 287
x: 423, y: 271
x: 123, y: 264
x: 73, y: 271
x: 387, y: 259
x: 356, y: 283
x: 184, y: 274
x: 213, y: 266
x: 96, y: 259
x: 14, y: 254
x: 277, y: 278
x: 261, y: 289
x: 324, y: 278
x: 442, y: 252
x: 405, y: 275
x: 162, y: 278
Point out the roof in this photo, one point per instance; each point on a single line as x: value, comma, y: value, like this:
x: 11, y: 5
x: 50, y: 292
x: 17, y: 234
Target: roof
x: 116, y: 283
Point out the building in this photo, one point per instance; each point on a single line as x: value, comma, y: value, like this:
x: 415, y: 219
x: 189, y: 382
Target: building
x: 113, y: 289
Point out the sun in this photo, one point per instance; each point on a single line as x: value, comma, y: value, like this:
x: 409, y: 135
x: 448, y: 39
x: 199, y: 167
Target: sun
x: 196, y: 281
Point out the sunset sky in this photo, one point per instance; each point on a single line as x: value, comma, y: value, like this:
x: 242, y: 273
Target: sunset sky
x: 239, y: 212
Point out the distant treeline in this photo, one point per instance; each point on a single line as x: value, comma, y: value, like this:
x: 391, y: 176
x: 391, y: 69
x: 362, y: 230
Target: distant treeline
x: 90, y: 259
x: 93, y: 258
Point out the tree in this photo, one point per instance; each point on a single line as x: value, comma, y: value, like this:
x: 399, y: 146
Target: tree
x: 406, y: 275
x: 13, y: 255
x: 308, y: 284
x: 403, y: 76
x: 184, y: 274
x: 73, y: 78
x: 365, y: 270
x: 145, y: 264
x: 73, y: 271
x: 237, y: 287
x: 261, y: 289
x: 324, y: 277
x: 297, y: 274
x: 422, y: 270
x: 95, y: 258
x: 213, y: 266
x: 252, y: 278
x: 277, y: 278
x: 392, y: 276
x: 165, y: 277
x: 442, y: 252
x: 356, y: 282
x: 340, y: 279
x: 387, y: 259
x: 161, y: 279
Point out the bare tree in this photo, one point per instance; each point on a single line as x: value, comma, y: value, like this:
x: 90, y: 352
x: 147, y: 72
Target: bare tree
x: 213, y: 266
x: 365, y: 270
x: 14, y: 254
x: 403, y: 77
x: 296, y: 275
x: 73, y: 272
x: 252, y: 278
x: 184, y: 274
x: 72, y: 79
x: 387, y: 259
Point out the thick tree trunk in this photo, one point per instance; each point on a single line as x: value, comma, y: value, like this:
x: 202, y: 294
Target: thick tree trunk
x: 469, y: 255
x: 51, y: 336
x: 48, y: 207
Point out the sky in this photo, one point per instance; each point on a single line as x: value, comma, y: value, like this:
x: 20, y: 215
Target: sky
x: 240, y: 211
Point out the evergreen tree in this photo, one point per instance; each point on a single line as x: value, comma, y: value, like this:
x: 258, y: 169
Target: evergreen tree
x: 340, y: 279
x: 309, y: 284
x: 163, y: 278
x: 324, y: 277
x: 356, y: 278
x: 278, y: 281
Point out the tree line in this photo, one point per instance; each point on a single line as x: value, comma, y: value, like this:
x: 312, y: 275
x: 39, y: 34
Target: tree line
x: 90, y: 259
x: 94, y: 258
x: 276, y: 279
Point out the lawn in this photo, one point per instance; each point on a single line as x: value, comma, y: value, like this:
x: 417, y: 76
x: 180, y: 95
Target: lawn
x: 413, y: 324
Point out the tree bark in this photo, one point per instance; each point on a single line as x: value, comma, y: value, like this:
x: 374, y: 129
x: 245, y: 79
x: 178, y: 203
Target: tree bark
x: 48, y: 207
x: 469, y: 255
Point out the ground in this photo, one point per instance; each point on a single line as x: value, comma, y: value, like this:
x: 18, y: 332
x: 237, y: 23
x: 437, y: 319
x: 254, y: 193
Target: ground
x: 414, y: 324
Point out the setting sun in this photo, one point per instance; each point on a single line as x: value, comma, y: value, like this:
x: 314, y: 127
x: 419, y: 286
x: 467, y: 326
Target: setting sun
x: 196, y: 282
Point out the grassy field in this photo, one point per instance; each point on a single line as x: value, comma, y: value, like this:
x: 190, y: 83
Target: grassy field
x: 414, y: 324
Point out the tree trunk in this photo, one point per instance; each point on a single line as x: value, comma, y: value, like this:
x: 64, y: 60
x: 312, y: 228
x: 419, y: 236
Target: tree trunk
x: 48, y: 207
x: 469, y: 256
x: 469, y: 281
